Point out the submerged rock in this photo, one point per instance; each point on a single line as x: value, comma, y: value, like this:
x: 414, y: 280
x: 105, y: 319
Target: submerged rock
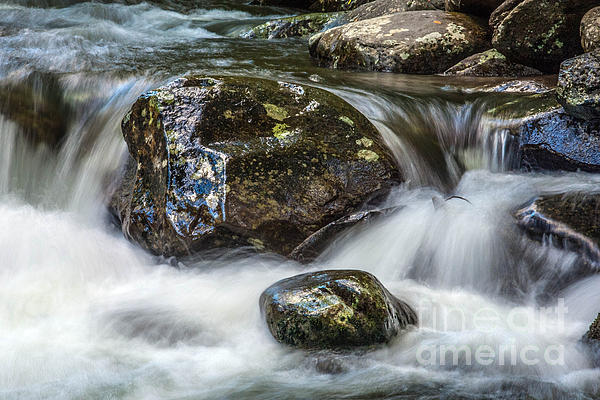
x: 476, y: 7
x: 300, y: 25
x: 590, y: 30
x: 420, y: 42
x: 37, y: 105
x: 556, y: 141
x: 578, y: 87
x: 573, y: 218
x: 333, y: 309
x: 240, y: 161
x: 519, y: 86
x: 490, y: 63
x: 379, y: 8
x: 316, y: 243
x: 539, y: 33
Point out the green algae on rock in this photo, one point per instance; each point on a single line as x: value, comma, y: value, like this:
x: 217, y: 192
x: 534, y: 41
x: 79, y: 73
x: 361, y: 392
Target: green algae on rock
x: 236, y: 161
x: 539, y: 33
x: 333, y: 309
x: 578, y: 88
x: 418, y: 42
x: 300, y: 25
x: 490, y: 63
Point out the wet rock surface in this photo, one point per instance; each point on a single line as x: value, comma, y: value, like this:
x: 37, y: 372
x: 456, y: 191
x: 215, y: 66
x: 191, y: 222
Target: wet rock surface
x: 578, y: 88
x: 333, y: 309
x: 379, y: 8
x: 539, y: 33
x: 476, y: 7
x: 557, y: 141
x: 490, y: 63
x: 240, y: 161
x: 316, y: 243
x: 573, y: 218
x: 301, y: 25
x: 419, y: 42
x: 590, y: 30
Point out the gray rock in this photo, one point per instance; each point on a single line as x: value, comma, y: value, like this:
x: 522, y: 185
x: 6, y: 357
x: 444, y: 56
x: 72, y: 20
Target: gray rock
x: 379, y: 8
x: 300, y: 25
x: 590, y: 30
x: 578, y: 88
x: 490, y: 63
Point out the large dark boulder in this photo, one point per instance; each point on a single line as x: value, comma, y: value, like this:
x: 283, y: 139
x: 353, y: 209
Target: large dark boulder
x: 236, y: 161
x: 578, y: 88
x: 590, y: 30
x: 557, y: 141
x: 539, y: 33
x: 490, y: 63
x: 476, y: 7
x: 572, y: 218
x: 300, y: 25
x: 593, y: 333
x: 316, y: 5
x: 333, y: 309
x: 418, y: 42
x: 379, y: 8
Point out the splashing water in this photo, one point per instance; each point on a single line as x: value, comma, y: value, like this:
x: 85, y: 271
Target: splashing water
x: 86, y: 314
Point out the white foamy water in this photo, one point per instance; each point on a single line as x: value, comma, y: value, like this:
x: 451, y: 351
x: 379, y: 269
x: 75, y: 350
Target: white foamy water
x: 86, y: 314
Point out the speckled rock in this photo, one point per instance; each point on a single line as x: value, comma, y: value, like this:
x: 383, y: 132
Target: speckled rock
x: 37, y: 105
x: 418, y: 42
x: 578, y: 88
x: 301, y: 25
x: 379, y: 8
x: 316, y: 5
x: 539, y: 33
x: 590, y: 30
x: 556, y: 141
x: 572, y: 218
x: 476, y: 7
x: 519, y: 86
x: 240, y: 161
x: 490, y: 63
x: 593, y: 333
x: 333, y: 309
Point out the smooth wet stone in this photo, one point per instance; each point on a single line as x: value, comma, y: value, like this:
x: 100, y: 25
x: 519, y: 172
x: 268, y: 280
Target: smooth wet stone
x: 539, y: 33
x: 490, y: 63
x: 557, y: 141
x: 590, y: 30
x: 234, y: 161
x: 379, y: 8
x: 301, y: 25
x: 418, y: 42
x: 333, y: 309
x: 476, y: 7
x: 573, y: 218
x: 316, y: 5
x: 578, y: 88
x: 316, y: 243
x: 520, y: 86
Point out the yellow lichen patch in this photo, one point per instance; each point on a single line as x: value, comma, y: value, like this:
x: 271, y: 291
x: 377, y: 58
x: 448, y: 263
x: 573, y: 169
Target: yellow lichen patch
x: 277, y: 113
x: 347, y: 120
x: 364, y: 141
x: 228, y: 114
x: 257, y: 243
x: 280, y: 131
x: 368, y: 155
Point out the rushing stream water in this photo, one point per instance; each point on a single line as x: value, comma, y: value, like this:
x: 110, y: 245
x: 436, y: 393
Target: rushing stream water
x: 84, y: 314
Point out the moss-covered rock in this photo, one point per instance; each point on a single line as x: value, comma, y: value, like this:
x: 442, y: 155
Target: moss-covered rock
x: 300, y: 25
x: 578, y: 88
x: 539, y: 33
x: 573, y: 218
x: 418, y: 42
x: 240, y: 161
x: 590, y: 30
x: 476, y: 7
x: 316, y: 5
x: 555, y: 140
x: 333, y: 309
x: 379, y: 8
x: 490, y: 63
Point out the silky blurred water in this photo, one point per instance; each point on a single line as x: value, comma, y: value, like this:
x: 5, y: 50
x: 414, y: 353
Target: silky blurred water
x: 86, y: 314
